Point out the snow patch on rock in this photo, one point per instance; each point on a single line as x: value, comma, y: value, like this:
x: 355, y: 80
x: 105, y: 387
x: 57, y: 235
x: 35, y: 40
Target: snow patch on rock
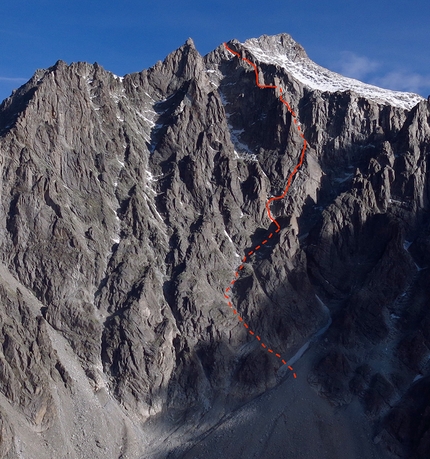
x: 272, y: 50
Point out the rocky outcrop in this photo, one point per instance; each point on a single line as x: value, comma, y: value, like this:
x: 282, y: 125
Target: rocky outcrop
x: 126, y: 207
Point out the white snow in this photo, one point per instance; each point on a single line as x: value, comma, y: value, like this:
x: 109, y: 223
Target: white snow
x: 327, y: 310
x: 158, y: 214
x: 242, y: 150
x: 316, y: 77
x: 149, y: 120
x: 406, y: 244
x: 299, y: 353
x: 146, y: 94
x: 166, y: 98
x: 320, y: 332
x: 214, y: 76
x: 150, y: 190
x: 116, y: 96
x: 116, y: 218
x: 395, y: 201
x: 150, y: 177
x: 238, y: 131
x: 228, y: 237
x: 223, y: 100
x: 346, y: 176
x: 179, y: 109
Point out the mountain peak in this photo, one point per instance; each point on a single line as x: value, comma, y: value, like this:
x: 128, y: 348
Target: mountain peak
x: 281, y: 50
x: 282, y: 43
x: 190, y: 43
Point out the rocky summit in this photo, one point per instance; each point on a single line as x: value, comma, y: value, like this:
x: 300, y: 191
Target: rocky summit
x: 127, y: 205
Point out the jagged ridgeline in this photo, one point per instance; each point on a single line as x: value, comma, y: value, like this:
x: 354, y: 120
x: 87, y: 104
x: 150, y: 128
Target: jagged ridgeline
x: 126, y: 205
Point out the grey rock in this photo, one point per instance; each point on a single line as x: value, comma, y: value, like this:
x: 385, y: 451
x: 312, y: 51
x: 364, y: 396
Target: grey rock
x: 126, y: 207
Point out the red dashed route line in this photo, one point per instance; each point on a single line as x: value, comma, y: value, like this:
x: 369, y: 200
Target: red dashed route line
x: 227, y: 293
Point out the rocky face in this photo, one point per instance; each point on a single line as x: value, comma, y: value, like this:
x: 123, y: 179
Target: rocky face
x: 128, y: 203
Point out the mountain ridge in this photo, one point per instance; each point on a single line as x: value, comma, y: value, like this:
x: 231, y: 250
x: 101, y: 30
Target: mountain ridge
x: 293, y: 52
x: 316, y: 77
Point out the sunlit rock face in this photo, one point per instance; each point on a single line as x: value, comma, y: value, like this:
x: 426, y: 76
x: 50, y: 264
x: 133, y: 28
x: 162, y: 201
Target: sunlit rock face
x: 127, y: 205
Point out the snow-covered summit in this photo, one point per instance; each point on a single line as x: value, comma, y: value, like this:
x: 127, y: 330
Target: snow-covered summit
x: 282, y: 50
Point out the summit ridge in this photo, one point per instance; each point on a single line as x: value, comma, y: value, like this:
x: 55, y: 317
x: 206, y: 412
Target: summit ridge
x: 282, y: 50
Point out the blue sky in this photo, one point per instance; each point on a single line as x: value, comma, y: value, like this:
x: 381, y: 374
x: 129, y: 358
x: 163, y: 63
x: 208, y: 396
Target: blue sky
x: 380, y: 42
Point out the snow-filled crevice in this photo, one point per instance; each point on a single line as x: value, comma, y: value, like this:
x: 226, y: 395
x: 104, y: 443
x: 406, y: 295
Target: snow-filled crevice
x: 149, y: 194
x: 241, y: 149
x: 231, y: 242
x: 315, y: 336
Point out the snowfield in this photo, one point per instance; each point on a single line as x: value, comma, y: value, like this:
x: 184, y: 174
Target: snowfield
x: 291, y: 57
